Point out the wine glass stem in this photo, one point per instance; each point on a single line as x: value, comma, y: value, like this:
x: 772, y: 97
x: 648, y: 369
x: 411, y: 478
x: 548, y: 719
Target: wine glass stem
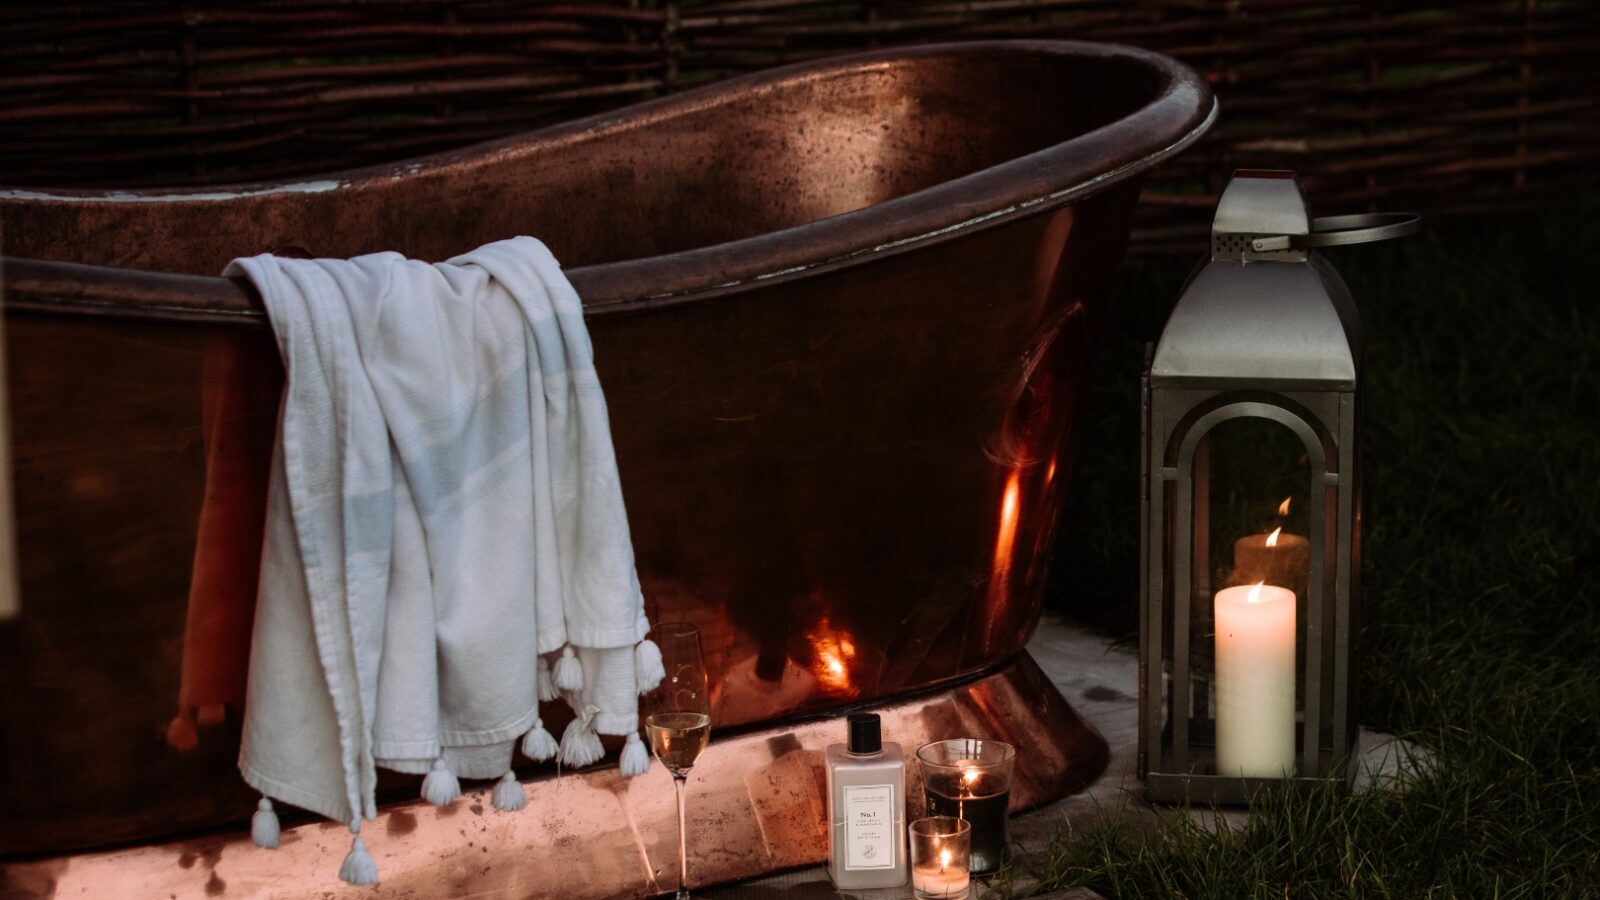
x: 683, y: 842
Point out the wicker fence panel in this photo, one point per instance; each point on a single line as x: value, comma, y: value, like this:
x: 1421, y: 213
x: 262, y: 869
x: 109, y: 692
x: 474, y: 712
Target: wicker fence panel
x: 1437, y: 106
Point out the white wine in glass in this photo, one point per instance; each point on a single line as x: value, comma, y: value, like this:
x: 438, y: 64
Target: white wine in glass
x: 678, y: 718
x: 678, y: 738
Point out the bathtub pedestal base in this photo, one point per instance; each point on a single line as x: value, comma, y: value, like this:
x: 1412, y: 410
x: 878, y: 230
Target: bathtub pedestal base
x: 755, y: 806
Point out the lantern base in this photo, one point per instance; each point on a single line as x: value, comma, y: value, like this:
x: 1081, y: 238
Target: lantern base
x: 1199, y: 786
x: 1222, y: 790
x: 1228, y: 790
x: 755, y: 805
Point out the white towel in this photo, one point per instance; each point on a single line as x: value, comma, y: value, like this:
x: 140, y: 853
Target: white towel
x: 444, y: 508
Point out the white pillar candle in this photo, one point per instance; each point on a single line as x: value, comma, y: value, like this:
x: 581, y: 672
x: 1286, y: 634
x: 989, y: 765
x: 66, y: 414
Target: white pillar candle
x: 1255, y: 681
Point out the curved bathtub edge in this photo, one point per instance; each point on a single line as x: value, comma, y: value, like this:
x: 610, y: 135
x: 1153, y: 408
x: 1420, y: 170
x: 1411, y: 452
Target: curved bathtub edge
x: 599, y: 278
x: 1182, y: 111
x: 47, y: 286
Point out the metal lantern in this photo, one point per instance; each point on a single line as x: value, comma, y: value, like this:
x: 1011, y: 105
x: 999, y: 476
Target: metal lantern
x: 1251, y: 507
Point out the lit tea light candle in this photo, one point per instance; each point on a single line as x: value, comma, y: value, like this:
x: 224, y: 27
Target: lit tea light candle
x: 942, y: 880
x: 1255, y: 680
x: 940, y: 846
x: 970, y: 779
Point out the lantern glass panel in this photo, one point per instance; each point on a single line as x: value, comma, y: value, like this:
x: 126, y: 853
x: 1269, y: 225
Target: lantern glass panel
x: 1260, y: 481
x: 1244, y: 690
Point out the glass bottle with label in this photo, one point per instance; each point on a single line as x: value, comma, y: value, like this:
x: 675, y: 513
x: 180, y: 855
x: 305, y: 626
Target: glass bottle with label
x: 866, y: 808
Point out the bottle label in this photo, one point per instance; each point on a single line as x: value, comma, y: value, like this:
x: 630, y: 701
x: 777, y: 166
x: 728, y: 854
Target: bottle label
x: 869, y: 827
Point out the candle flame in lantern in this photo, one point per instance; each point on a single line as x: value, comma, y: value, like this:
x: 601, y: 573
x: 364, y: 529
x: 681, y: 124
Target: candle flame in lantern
x: 969, y: 775
x: 1272, y: 539
x: 944, y: 858
x: 1283, y: 508
x: 1255, y: 593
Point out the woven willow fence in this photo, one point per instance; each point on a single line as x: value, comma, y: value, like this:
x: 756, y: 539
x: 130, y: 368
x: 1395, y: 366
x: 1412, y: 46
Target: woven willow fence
x: 1437, y: 106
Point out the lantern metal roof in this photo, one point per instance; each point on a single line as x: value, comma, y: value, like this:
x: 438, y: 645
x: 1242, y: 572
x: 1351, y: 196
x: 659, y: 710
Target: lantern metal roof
x: 1277, y: 318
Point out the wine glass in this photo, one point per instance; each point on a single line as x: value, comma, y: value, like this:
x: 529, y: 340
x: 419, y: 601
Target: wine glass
x: 678, y: 718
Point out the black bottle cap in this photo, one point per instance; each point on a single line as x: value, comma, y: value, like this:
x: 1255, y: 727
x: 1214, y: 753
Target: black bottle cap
x: 866, y: 735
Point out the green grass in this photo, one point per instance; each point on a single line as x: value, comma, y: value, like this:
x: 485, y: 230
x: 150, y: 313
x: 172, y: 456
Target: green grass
x: 1481, y: 624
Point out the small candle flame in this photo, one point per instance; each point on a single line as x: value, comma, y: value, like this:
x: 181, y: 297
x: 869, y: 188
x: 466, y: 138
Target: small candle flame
x: 944, y: 858
x: 1272, y: 539
x: 1283, y: 508
x: 969, y: 775
x: 1255, y: 593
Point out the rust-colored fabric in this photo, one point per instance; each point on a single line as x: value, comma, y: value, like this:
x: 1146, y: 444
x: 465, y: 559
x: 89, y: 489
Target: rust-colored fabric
x: 239, y: 398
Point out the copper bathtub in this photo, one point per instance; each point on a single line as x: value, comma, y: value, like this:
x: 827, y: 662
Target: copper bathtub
x: 842, y: 312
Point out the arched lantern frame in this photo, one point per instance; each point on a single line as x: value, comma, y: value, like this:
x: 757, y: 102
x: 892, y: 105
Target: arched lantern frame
x: 1266, y: 330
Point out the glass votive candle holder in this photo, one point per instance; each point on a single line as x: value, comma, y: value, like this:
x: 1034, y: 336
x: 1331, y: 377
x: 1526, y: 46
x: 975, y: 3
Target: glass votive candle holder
x: 940, y: 851
x: 970, y: 778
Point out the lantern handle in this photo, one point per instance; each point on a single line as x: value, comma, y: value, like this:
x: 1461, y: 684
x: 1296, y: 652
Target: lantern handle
x: 1336, y: 231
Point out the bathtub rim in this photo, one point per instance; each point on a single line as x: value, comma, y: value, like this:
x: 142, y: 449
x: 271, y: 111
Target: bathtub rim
x: 1181, y: 111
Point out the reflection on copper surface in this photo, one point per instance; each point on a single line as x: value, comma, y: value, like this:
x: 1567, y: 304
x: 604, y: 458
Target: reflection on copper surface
x: 830, y: 440
x: 755, y: 806
x: 832, y: 653
x: 809, y: 496
x: 1005, y: 545
x: 1006, y: 538
x: 999, y: 594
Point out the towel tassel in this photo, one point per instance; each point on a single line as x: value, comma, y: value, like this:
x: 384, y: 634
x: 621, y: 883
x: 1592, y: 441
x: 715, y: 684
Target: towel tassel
x: 647, y: 668
x: 358, y: 868
x: 508, y: 795
x: 635, y: 759
x: 547, y: 685
x: 580, y: 746
x: 538, y: 745
x: 441, y: 788
x: 264, y: 825
x: 569, y: 672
